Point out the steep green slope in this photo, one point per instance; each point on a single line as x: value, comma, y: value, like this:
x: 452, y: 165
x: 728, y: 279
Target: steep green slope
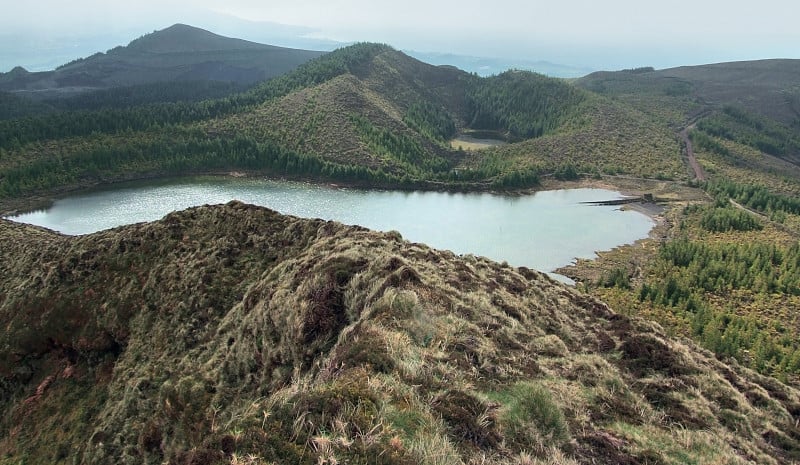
x: 358, y: 114
x: 522, y: 104
x: 232, y: 334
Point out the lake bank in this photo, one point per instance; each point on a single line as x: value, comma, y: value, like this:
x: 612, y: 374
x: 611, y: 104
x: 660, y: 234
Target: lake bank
x: 542, y: 230
x: 45, y: 199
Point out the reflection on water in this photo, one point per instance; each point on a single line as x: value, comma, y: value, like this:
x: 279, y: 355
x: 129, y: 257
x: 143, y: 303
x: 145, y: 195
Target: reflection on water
x: 542, y: 231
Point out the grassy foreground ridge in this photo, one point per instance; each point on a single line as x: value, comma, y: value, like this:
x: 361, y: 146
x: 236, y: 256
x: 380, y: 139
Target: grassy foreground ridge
x: 233, y: 334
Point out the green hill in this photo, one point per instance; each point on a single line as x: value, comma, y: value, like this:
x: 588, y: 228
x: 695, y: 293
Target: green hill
x: 744, y: 116
x: 767, y: 87
x: 233, y: 334
x: 363, y: 114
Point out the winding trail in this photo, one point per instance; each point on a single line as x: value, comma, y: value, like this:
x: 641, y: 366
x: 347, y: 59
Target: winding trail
x: 699, y: 174
x: 683, y: 134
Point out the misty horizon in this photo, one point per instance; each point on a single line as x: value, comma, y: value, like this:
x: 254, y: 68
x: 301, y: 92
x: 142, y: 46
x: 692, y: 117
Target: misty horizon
x: 584, y: 37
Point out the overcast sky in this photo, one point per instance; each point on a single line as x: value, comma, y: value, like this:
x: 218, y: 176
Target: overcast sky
x: 602, y: 34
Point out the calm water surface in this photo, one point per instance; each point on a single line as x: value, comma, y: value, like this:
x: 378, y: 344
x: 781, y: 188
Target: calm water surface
x: 542, y: 231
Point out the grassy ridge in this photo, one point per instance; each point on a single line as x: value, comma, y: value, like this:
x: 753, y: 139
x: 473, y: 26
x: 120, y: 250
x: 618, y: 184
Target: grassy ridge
x: 231, y: 333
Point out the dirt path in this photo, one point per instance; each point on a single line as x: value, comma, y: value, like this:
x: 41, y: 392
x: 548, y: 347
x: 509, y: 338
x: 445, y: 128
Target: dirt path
x: 699, y: 174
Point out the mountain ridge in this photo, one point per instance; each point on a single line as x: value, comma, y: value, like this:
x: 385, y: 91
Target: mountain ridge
x: 177, y: 53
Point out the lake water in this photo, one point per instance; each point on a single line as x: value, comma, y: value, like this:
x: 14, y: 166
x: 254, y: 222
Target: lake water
x: 543, y: 231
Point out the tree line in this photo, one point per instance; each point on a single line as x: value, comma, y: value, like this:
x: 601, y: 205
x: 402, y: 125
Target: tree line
x: 176, y: 153
x: 739, y: 125
x: 753, y: 196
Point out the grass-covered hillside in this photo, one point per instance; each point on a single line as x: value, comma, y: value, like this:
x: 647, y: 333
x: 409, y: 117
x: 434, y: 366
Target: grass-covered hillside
x: 232, y: 334
x: 767, y: 87
x: 770, y: 88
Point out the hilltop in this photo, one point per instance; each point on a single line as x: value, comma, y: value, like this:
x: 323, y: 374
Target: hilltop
x: 177, y: 53
x: 231, y: 334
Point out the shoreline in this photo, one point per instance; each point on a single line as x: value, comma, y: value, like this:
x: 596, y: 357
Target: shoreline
x: 572, y: 273
x: 585, y: 269
x: 625, y: 186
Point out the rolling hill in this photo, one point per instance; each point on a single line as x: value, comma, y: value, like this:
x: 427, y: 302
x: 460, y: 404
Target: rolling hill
x: 177, y: 53
x: 232, y: 334
x: 770, y: 88
x: 365, y: 114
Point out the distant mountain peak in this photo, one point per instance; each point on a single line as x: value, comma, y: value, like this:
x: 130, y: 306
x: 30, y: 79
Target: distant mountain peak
x: 18, y: 71
x: 178, y: 53
x: 184, y: 38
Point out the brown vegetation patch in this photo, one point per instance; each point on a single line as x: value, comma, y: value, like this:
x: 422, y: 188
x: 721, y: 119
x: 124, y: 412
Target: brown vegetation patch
x: 663, y: 395
x: 468, y: 418
x: 197, y: 457
x: 151, y: 436
x: 788, y: 446
x: 602, y: 447
x: 646, y: 353
x: 363, y: 347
